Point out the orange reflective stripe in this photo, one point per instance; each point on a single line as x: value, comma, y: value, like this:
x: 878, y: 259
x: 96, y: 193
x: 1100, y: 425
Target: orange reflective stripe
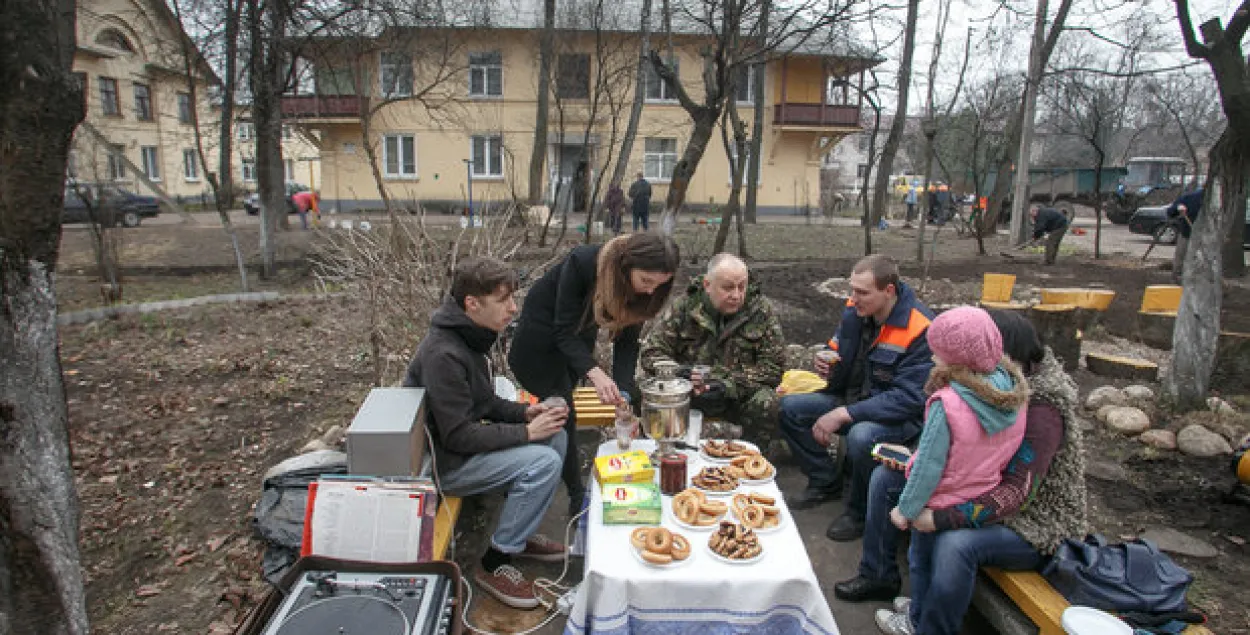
x: 832, y: 343
x: 899, y: 338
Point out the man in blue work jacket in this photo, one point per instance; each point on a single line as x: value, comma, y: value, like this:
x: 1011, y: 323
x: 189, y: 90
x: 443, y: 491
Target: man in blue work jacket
x: 874, y: 392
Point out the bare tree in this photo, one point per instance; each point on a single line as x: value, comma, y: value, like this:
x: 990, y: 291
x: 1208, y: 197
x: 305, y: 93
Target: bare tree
x: 1182, y: 113
x: 635, y: 111
x: 1196, y: 336
x: 268, y: 64
x: 41, y: 579
x: 886, y: 166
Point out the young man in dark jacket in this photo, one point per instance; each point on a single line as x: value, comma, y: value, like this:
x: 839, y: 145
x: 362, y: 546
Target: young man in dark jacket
x: 1050, y: 223
x: 517, y: 448
x: 640, y: 197
x: 875, y: 391
x: 1186, y: 208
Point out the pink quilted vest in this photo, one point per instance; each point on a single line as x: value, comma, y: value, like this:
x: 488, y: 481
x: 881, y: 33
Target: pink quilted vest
x: 976, y: 460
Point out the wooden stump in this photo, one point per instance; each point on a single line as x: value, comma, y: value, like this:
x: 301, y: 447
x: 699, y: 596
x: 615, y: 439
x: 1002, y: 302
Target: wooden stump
x: 1154, y: 329
x: 1057, y: 326
x: 1122, y: 367
x: 1232, y: 363
x: 1015, y: 307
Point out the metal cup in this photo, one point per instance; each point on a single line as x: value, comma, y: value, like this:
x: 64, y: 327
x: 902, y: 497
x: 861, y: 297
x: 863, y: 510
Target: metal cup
x: 828, y: 356
x: 551, y: 403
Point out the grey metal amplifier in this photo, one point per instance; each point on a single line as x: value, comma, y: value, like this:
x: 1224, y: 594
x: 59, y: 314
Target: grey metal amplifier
x: 387, y: 436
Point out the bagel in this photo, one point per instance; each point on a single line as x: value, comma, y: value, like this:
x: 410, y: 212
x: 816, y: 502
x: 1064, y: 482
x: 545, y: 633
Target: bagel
x: 681, y: 547
x: 739, y: 502
x: 686, y: 509
x: 639, y: 537
x: 660, y: 541
x: 657, y: 558
x: 762, y: 499
x: 757, y: 467
x: 713, y: 508
x: 753, y: 516
x: 771, y: 511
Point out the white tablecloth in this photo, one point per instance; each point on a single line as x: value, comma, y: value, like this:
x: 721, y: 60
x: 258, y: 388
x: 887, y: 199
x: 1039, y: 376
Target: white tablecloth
x: 619, y: 594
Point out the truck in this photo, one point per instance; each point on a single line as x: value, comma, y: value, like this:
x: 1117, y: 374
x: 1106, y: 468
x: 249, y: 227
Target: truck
x: 1143, y: 181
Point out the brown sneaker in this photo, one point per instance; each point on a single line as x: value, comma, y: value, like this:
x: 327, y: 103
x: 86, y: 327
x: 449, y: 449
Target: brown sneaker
x: 544, y: 549
x: 509, y: 586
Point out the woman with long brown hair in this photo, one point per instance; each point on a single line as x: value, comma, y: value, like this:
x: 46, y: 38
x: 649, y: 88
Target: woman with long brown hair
x: 617, y: 286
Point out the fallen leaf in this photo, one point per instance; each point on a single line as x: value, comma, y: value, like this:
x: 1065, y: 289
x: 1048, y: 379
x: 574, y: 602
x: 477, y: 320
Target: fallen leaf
x: 184, y: 559
x: 147, y: 591
x: 215, y: 543
x: 108, y: 479
x: 1236, y: 540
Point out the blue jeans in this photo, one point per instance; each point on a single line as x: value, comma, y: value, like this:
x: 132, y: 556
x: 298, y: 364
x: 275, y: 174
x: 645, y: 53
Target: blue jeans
x: 531, y: 473
x: 878, y: 557
x: 944, y: 571
x: 798, y: 413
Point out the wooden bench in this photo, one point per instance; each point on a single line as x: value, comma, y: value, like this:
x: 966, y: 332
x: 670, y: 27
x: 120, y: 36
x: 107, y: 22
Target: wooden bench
x: 445, y: 525
x: 1043, y: 605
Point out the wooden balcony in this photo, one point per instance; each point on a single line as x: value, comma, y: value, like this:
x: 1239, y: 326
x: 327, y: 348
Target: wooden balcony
x: 815, y: 115
x: 320, y: 106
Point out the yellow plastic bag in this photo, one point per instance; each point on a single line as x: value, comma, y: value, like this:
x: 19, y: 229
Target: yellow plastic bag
x: 796, y: 382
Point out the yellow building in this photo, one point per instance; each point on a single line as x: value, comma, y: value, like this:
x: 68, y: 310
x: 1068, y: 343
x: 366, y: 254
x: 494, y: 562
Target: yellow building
x: 436, y: 105
x: 301, y: 158
x: 139, y: 129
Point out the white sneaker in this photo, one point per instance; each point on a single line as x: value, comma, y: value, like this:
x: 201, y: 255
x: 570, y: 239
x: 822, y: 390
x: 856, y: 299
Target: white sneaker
x: 902, y: 604
x: 892, y: 623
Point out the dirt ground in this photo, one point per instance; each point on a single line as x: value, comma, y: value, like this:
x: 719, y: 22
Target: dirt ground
x: 175, y: 416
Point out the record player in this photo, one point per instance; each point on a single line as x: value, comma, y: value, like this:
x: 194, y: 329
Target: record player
x: 325, y: 602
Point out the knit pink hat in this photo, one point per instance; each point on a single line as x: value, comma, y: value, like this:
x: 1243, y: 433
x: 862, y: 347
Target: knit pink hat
x: 966, y: 336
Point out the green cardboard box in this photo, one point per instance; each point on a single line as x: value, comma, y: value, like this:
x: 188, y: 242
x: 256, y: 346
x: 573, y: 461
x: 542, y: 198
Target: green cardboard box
x: 632, y: 504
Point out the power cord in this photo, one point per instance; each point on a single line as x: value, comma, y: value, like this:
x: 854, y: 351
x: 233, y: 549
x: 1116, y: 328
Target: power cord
x: 557, y: 590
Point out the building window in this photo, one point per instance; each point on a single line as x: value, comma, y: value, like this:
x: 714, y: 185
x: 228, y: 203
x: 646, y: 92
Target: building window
x: 287, y: 133
x: 288, y: 168
x: 116, y: 166
x: 656, y: 89
x: 396, y: 74
x: 190, y: 165
x: 71, y: 165
x: 80, y: 80
x: 659, y: 159
x: 573, y: 76
x: 151, y: 167
x: 399, y: 155
x: 334, y: 81
x: 245, y: 130
x: 184, y: 108
x: 864, y: 139
x: 744, y: 89
x: 143, y: 102
x: 861, y: 171
x: 487, y: 155
x: 486, y: 74
x: 248, y: 167
x: 109, y: 103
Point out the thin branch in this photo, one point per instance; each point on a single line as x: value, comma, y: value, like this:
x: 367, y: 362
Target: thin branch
x: 1192, y: 46
x: 1237, y: 25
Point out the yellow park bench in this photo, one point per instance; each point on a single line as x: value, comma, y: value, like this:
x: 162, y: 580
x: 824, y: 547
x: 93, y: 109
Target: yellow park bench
x: 1039, y: 601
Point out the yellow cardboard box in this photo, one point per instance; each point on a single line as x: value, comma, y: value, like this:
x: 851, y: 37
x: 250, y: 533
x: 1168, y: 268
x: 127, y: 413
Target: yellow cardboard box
x: 629, y: 467
x: 632, y: 504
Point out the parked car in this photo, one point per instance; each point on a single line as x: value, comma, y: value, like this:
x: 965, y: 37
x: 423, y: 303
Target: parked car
x: 1152, y: 221
x: 109, y: 204
x: 251, y: 202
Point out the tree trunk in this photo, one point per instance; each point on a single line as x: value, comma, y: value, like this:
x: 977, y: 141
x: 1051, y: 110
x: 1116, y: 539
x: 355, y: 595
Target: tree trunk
x: 757, y: 127
x: 704, y: 124
x: 538, y: 154
x: 1196, y: 336
x: 922, y: 198
x: 635, y: 110
x: 225, y: 134
x: 1097, y: 204
x: 266, y: 25
x: 41, y: 585
x: 886, y: 166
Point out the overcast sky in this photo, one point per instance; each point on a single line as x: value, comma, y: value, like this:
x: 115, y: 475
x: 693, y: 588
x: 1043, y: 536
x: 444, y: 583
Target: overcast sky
x: 1015, y: 28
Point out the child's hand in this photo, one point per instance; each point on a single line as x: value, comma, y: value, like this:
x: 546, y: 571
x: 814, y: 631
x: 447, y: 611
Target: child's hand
x: 899, y: 520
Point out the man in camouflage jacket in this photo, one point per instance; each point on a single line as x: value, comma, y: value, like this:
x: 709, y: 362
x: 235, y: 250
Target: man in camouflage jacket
x: 724, y: 322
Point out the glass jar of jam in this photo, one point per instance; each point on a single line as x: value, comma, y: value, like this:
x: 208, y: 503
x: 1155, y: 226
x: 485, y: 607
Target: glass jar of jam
x: 672, y: 473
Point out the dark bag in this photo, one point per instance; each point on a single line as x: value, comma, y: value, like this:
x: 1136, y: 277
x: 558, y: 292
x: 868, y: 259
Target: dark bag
x: 1133, y: 576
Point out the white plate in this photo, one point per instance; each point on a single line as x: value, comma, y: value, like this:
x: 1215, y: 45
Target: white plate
x: 676, y: 563
x: 1083, y: 620
x: 677, y: 521
x: 718, y: 460
x: 717, y: 556
x: 763, y: 481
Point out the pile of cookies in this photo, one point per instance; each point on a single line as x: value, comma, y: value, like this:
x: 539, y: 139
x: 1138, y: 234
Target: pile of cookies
x: 735, y: 542
x: 715, y: 479
x: 726, y: 449
x: 751, y: 466
x: 658, y: 545
x: 693, y: 508
x: 756, y: 511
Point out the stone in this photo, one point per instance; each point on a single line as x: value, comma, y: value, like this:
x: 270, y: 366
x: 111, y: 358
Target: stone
x: 1173, y: 541
x: 316, y: 445
x: 1219, y: 406
x: 1104, y: 412
x: 1159, y: 439
x: 1127, y: 420
x: 1085, y: 424
x: 1138, y: 395
x: 1106, y: 471
x: 1196, y: 440
x: 1105, y: 396
x: 333, y: 436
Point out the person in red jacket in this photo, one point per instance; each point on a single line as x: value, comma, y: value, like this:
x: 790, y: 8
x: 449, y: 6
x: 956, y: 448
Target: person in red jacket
x: 305, y: 202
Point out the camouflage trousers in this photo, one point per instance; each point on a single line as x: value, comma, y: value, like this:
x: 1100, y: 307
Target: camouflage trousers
x: 755, y: 418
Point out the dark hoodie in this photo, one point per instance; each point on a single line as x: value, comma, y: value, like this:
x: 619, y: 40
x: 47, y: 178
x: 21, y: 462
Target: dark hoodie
x: 450, y: 364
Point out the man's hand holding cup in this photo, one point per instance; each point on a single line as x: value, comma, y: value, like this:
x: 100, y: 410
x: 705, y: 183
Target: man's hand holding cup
x: 824, y: 361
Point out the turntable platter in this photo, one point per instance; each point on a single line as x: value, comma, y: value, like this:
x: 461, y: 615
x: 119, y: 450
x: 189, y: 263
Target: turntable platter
x: 346, y: 615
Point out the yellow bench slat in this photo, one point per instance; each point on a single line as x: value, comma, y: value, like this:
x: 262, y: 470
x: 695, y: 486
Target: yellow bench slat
x: 1161, y: 298
x: 445, y: 525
